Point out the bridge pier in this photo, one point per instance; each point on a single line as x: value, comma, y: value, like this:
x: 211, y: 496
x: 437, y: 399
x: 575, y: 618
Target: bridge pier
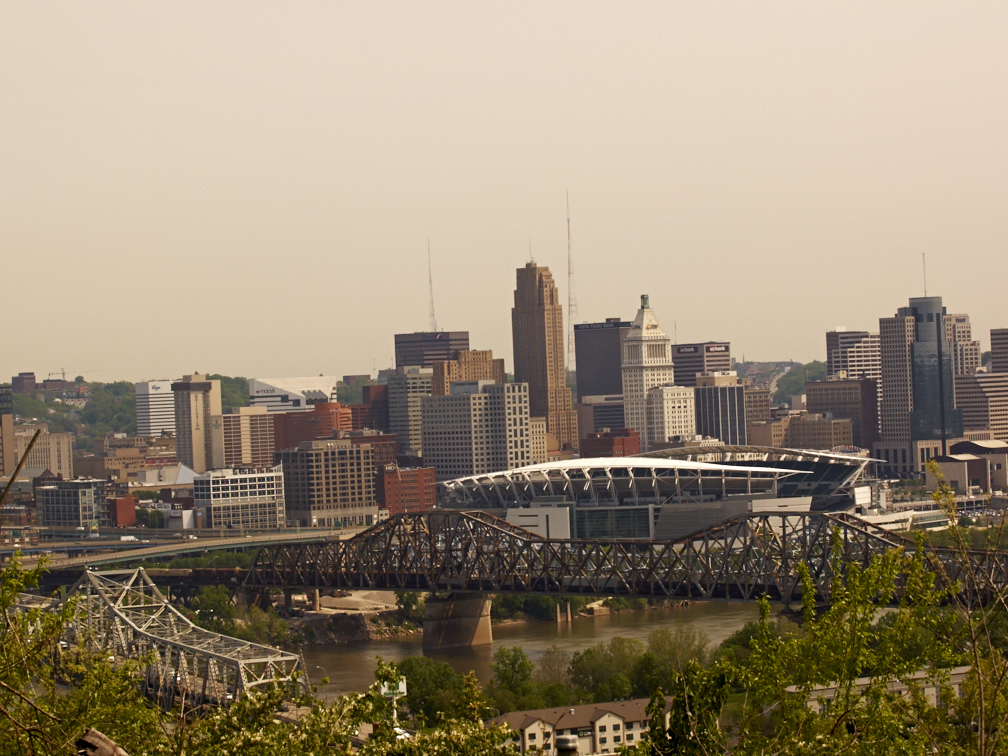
x: 459, y: 621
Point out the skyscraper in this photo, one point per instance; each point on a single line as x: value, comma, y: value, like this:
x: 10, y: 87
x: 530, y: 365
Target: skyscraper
x: 647, y: 362
x: 598, y: 353
x: 918, y: 386
x: 196, y: 401
x: 999, y: 350
x: 406, y: 387
x: 965, y: 352
x: 855, y: 352
x: 537, y: 333
x: 691, y: 360
x: 427, y: 347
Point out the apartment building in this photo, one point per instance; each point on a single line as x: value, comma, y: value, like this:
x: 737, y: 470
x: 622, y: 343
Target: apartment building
x: 250, y: 498
x: 329, y: 484
x: 479, y: 428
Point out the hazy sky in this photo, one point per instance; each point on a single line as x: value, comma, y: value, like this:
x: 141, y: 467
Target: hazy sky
x: 249, y: 188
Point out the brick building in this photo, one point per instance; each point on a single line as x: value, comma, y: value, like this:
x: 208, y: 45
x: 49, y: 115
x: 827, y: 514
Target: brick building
x: 405, y: 490
x: 322, y: 421
x: 623, y: 442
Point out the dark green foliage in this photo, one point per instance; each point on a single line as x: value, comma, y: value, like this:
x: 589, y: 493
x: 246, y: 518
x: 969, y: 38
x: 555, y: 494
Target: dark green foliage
x: 110, y: 408
x: 432, y: 688
x: 793, y: 382
x: 512, y: 687
x: 57, y: 417
x: 150, y: 518
x: 234, y: 391
x: 522, y: 606
x: 411, y: 604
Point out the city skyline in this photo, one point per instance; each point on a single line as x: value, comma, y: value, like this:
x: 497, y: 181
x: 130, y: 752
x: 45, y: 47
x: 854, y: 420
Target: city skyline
x: 763, y: 173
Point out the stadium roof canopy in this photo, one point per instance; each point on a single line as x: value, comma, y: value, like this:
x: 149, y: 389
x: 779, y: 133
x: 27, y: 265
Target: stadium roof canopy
x: 675, y: 475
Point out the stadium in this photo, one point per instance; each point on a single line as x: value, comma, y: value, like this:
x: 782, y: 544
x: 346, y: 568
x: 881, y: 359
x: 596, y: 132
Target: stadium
x: 662, y: 494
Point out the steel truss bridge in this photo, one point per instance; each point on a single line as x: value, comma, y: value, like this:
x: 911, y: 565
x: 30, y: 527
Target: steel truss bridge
x: 745, y: 558
x: 124, y: 614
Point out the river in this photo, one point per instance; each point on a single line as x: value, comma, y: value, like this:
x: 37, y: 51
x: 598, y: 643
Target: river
x: 350, y: 667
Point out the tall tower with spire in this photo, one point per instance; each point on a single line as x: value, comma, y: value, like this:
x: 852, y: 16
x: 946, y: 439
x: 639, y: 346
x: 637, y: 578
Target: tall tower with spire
x: 537, y: 332
x: 647, y: 362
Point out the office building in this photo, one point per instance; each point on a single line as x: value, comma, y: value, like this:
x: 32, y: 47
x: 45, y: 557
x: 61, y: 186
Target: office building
x: 647, y: 362
x: 852, y: 399
x: 6, y: 399
x: 466, y: 365
x: 292, y: 394
x: 250, y: 498
x: 373, y: 411
x: 23, y: 383
x: 52, y: 451
x: 999, y: 350
x: 691, y: 360
x: 155, y: 408
x: 917, y: 376
x: 983, y: 400
x: 384, y: 446
x: 407, y: 386
x: 598, y: 412
x: 965, y: 352
x: 720, y: 407
x: 322, y: 421
x: 8, y: 453
x: 855, y: 353
x: 537, y: 334
x: 598, y: 353
x: 670, y: 412
x: 538, y: 443
x: 242, y: 438
x: 405, y: 490
x: 480, y: 427
x: 624, y: 442
x: 80, y: 503
x: 329, y: 484
x: 197, y: 399
x: 425, y: 348
x: 757, y: 404
x: 804, y: 431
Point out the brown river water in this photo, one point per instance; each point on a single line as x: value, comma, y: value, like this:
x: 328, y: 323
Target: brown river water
x: 350, y: 667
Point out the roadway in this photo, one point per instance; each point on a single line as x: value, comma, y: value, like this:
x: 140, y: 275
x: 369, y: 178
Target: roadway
x: 194, y: 545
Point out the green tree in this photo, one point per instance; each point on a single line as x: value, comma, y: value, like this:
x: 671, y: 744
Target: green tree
x: 793, y: 382
x: 512, y: 687
x: 603, y: 673
x: 432, y: 688
x: 110, y: 408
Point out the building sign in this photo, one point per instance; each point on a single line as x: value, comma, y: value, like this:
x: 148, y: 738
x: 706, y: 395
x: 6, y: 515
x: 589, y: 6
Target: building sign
x: 686, y: 350
x: 715, y: 348
x: 600, y: 326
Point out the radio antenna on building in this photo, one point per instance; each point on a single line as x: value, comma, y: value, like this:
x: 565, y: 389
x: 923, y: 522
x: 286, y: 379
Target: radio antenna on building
x: 430, y: 279
x: 571, y: 298
x: 924, y: 263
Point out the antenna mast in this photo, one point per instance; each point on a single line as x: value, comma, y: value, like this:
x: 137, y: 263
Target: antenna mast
x: 924, y: 263
x: 571, y: 298
x: 430, y: 279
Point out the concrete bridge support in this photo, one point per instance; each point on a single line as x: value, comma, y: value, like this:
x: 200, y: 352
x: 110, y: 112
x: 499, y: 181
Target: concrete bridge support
x: 459, y: 621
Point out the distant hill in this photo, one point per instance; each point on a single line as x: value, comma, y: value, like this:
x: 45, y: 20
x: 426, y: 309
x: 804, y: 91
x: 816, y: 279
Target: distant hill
x: 110, y: 407
x: 794, y: 381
